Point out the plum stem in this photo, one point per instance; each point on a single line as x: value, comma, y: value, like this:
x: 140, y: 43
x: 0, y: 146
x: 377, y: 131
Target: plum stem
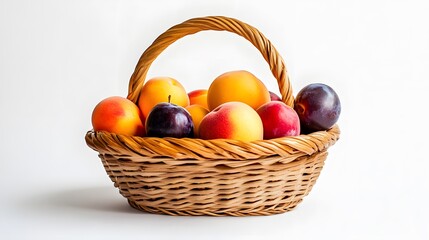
x: 169, y: 98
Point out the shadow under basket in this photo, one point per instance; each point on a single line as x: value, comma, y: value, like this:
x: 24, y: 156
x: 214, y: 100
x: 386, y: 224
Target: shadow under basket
x: 190, y: 176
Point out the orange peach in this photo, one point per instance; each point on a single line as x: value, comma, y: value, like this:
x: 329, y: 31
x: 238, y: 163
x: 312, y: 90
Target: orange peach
x: 240, y: 86
x: 199, y: 97
x: 118, y: 115
x: 197, y: 113
x: 157, y: 90
x: 232, y: 120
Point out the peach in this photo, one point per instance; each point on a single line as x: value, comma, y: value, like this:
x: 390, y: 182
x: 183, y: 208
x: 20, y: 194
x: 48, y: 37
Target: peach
x: 199, y: 97
x: 240, y: 86
x: 118, y: 115
x: 197, y: 113
x: 157, y: 90
x: 232, y: 120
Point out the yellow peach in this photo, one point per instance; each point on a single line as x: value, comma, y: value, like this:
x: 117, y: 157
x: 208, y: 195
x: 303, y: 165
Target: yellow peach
x: 157, y: 90
x: 197, y: 113
x: 240, y: 86
x: 118, y: 115
x: 232, y: 120
x: 199, y: 97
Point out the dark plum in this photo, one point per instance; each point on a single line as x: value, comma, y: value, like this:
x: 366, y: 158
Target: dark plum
x: 274, y: 97
x: 169, y: 120
x: 318, y: 107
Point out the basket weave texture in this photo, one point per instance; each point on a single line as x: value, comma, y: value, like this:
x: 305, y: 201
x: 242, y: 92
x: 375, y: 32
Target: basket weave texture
x: 213, y: 177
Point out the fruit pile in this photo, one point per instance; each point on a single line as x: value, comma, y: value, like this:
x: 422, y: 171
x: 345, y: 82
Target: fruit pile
x: 237, y: 105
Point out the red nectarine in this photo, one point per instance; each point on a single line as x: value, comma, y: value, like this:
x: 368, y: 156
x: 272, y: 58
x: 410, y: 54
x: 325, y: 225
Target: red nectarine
x: 279, y: 120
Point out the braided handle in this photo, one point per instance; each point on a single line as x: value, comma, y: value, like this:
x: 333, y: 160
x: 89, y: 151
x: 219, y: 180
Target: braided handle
x: 217, y: 23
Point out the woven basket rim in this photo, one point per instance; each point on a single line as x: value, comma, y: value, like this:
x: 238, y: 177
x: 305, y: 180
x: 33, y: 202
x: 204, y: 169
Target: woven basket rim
x: 189, y: 148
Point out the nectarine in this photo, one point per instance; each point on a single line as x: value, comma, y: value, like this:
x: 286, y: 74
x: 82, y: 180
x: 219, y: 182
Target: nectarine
x: 197, y: 113
x: 118, y: 115
x: 157, y: 90
x: 198, y: 97
x: 279, y: 120
x: 239, y: 86
x: 232, y: 120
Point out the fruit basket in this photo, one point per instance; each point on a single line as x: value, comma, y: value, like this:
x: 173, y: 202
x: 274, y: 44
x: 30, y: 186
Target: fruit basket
x: 191, y: 176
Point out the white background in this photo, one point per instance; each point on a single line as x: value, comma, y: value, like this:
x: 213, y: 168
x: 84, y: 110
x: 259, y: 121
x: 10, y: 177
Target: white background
x: 58, y: 59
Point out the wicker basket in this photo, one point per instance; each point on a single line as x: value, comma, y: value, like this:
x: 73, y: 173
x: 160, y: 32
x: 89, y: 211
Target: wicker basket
x: 213, y: 177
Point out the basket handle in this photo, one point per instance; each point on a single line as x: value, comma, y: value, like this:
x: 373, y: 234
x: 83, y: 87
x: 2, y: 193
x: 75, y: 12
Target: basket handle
x: 217, y: 23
